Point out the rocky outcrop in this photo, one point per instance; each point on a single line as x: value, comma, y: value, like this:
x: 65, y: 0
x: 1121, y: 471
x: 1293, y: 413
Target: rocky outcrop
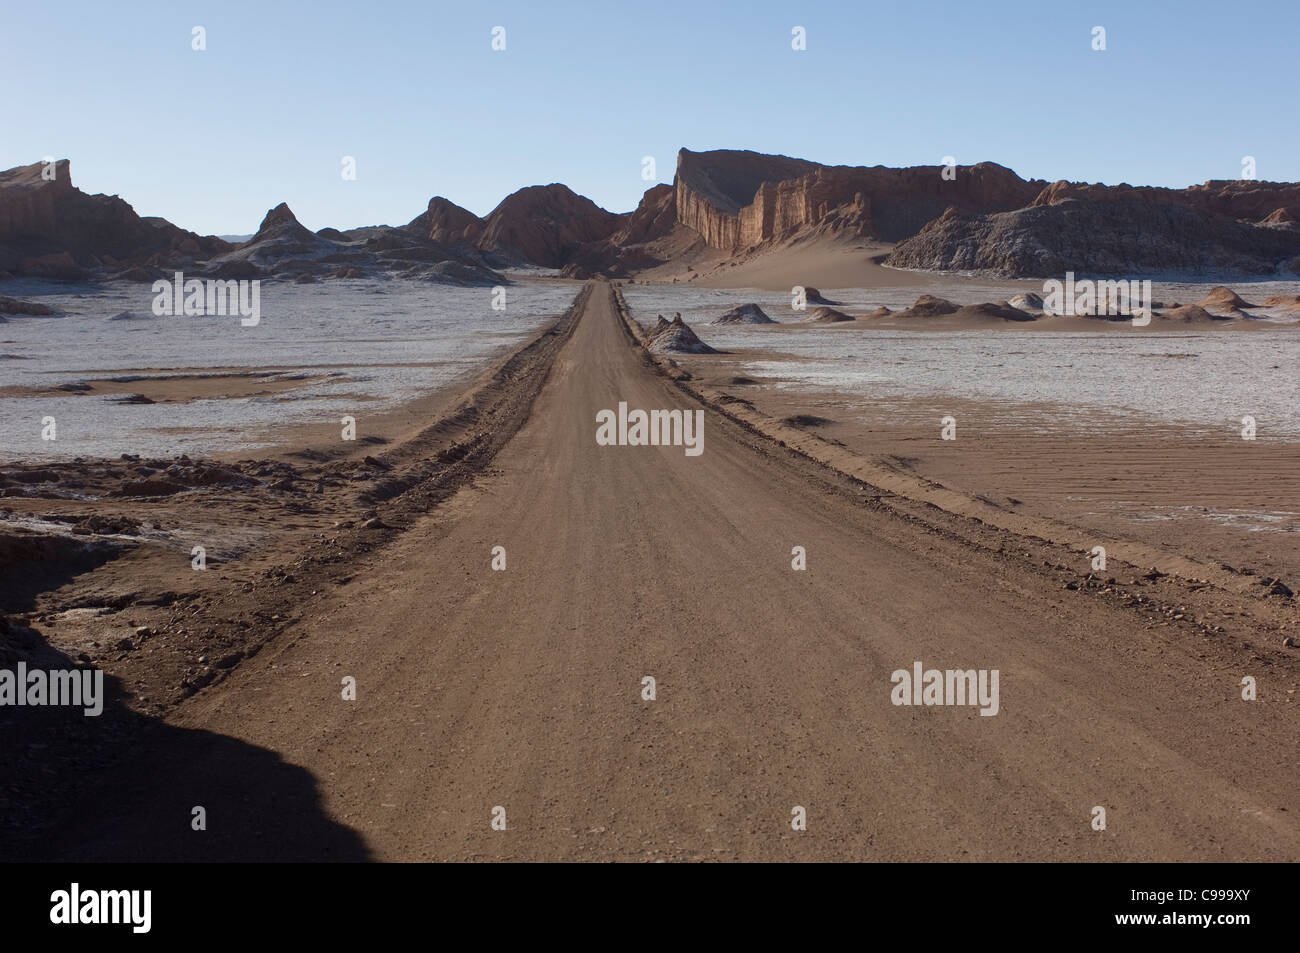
x: 1285, y: 304
x: 50, y: 228
x: 18, y: 306
x: 281, y: 243
x: 745, y: 314
x: 1245, y: 199
x: 1191, y: 314
x: 545, y: 225
x: 826, y: 316
x: 644, y: 239
x: 992, y: 311
x: 27, y: 200
x: 675, y: 337
x: 285, y: 247
x: 655, y: 217
x: 1221, y: 299
x: 1027, y: 301
x: 280, y: 224
x: 447, y: 223
x: 740, y: 200
x: 456, y: 273
x: 928, y: 306
x: 713, y: 188
x: 1119, y: 230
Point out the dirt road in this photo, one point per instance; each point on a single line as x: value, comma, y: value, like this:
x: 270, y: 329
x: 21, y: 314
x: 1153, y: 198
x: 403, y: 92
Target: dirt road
x: 523, y: 688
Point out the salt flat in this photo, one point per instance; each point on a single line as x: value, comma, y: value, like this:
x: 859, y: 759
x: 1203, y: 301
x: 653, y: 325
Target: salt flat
x: 320, y: 351
x: 1090, y: 380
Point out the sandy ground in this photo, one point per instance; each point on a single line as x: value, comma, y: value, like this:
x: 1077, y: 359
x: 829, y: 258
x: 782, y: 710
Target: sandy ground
x: 1178, y: 488
x: 818, y: 263
x: 522, y: 689
x: 97, y: 556
x: 156, y: 385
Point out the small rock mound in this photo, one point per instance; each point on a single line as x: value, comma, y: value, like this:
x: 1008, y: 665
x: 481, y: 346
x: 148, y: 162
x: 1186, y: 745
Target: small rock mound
x: 992, y: 310
x: 99, y: 525
x: 813, y: 296
x: 451, y: 273
x: 675, y: 337
x: 1027, y: 301
x: 1223, y: 299
x: 928, y: 306
x: 806, y: 420
x: 1192, y: 314
x: 745, y: 314
x: 17, y: 306
x: 827, y: 316
x: 1289, y: 304
x: 881, y: 312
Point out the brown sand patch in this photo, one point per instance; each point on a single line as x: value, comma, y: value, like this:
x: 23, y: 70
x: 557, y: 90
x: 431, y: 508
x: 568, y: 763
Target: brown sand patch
x: 165, y: 388
x: 1176, y: 488
x: 117, y: 536
x: 819, y: 263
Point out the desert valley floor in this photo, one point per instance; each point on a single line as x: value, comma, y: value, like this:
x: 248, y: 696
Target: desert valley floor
x: 522, y: 688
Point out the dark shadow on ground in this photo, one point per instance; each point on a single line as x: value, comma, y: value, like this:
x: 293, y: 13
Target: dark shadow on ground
x: 122, y: 786
x: 32, y: 563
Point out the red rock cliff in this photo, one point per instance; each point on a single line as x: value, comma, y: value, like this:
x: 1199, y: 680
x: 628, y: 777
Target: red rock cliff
x: 738, y: 200
x: 27, y: 201
x: 447, y: 223
x: 43, y: 218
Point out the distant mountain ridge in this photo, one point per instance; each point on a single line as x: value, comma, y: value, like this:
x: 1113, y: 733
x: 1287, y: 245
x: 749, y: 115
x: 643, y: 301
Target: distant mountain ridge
x: 1219, y: 228
x: 50, y: 229
x: 730, y: 203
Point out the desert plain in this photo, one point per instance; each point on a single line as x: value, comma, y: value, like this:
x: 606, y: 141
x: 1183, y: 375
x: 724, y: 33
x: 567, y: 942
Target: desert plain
x: 943, y: 457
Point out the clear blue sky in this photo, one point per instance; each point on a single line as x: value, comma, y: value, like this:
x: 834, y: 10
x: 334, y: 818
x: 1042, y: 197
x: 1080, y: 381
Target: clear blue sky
x: 413, y: 90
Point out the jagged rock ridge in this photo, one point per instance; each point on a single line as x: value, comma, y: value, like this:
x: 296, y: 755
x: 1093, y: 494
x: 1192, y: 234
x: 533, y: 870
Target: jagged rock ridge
x: 728, y: 203
x: 675, y: 337
x: 1226, y: 228
x: 49, y: 228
